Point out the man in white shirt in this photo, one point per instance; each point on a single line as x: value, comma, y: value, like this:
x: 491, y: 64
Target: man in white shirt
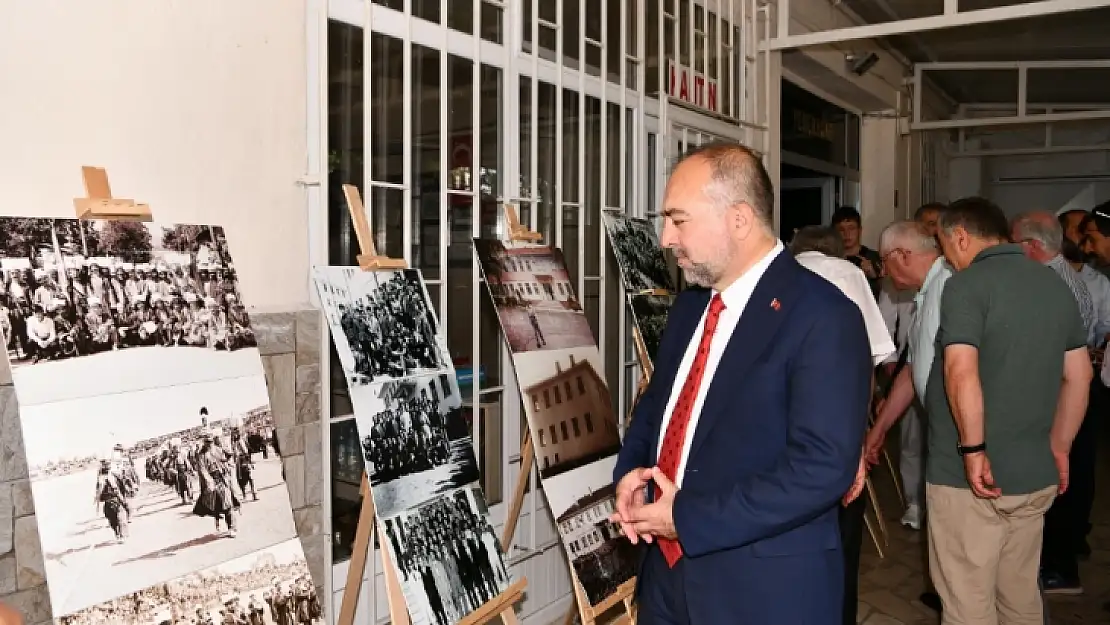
x: 897, y: 306
x: 819, y: 249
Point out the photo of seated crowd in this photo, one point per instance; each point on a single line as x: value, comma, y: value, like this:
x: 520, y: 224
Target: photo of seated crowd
x: 260, y: 591
x: 416, y: 442
x: 448, y: 557
x: 639, y: 254
x: 71, y: 288
x: 388, y: 324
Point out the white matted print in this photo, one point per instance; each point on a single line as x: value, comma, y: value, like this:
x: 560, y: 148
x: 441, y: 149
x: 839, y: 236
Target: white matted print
x: 382, y: 322
x: 569, y: 408
x: 447, y: 557
x: 533, y: 295
x: 115, y: 306
x: 269, y: 587
x: 132, y: 489
x: 639, y: 254
x: 415, y: 440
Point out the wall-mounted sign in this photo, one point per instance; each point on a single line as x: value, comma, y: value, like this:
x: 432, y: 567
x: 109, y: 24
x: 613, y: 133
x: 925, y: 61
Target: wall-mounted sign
x: 813, y: 126
x: 690, y: 87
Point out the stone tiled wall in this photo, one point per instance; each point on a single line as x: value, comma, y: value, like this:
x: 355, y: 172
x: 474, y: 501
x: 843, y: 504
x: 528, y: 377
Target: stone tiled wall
x: 290, y: 347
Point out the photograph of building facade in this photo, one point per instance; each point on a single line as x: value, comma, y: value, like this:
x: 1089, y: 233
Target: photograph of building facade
x: 572, y: 417
x: 441, y: 113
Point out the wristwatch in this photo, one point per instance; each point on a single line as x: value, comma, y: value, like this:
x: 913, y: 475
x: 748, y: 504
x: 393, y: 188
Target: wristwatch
x: 970, y: 449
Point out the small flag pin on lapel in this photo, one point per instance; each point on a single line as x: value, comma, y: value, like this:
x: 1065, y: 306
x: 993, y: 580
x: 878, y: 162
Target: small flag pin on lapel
x: 775, y: 304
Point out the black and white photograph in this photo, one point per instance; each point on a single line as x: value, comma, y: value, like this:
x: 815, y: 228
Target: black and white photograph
x: 448, y: 560
x: 568, y: 407
x: 582, y: 502
x: 271, y: 586
x: 532, y: 292
x: 649, y: 313
x: 152, y: 485
x: 639, y: 254
x: 153, y: 304
x: 383, y: 323
x: 415, y: 440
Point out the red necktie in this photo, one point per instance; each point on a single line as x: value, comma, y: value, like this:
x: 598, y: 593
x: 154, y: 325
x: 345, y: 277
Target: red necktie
x: 674, y: 439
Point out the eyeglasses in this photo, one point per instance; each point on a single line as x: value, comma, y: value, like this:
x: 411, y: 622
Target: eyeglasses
x: 885, y: 258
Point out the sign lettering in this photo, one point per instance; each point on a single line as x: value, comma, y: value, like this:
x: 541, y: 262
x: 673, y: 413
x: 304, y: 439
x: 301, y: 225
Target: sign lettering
x: 690, y: 87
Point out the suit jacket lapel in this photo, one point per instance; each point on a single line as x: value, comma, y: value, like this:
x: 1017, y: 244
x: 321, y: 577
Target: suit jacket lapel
x: 760, y: 321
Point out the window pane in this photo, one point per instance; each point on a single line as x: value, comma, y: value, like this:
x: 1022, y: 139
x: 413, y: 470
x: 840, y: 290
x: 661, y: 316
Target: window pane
x: 572, y: 34
x: 460, y: 15
x: 387, y: 211
x: 386, y: 86
x: 594, y: 170
x: 526, y: 25
x: 546, y: 156
x: 426, y: 9
x: 491, y: 145
x: 396, y: 5
x: 684, y: 32
x: 613, y: 41
x: 571, y: 154
x: 593, y: 60
x: 652, y: 52
x: 633, y: 25
x: 491, y: 23
x: 613, y: 155
x: 346, y: 478
x: 460, y: 281
x: 571, y: 245
x: 526, y: 129
x: 427, y: 197
x: 460, y: 123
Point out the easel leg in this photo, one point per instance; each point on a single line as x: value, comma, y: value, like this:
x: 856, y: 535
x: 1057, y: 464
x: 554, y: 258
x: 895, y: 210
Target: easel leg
x: 398, y: 612
x: 526, y: 460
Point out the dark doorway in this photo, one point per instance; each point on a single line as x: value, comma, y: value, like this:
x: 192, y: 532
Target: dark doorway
x: 804, y: 199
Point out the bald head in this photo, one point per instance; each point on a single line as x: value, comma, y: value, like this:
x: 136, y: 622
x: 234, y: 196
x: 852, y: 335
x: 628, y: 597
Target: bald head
x: 718, y: 209
x: 1039, y: 233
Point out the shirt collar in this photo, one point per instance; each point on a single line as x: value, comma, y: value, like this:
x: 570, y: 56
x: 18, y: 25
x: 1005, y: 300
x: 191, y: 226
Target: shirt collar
x: 1058, y: 262
x: 737, y: 294
x: 1000, y: 249
x: 939, y: 266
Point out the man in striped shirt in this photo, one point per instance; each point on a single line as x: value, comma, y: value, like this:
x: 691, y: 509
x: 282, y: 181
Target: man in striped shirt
x: 1042, y: 237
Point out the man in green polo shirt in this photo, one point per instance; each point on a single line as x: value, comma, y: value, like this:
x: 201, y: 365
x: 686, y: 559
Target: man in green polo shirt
x: 1006, y: 396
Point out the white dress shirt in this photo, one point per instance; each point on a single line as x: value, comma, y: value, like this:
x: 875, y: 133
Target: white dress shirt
x: 852, y: 282
x: 735, y: 298
x: 1099, y: 287
x: 897, y: 307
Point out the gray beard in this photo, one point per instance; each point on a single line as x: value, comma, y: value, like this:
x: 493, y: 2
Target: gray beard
x: 700, y: 275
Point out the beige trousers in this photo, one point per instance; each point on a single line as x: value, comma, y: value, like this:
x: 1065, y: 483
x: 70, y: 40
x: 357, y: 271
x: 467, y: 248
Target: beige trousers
x: 984, y: 555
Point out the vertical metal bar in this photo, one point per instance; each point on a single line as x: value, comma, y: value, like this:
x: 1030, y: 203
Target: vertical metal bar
x: 782, y: 13
x: 535, y: 123
x: 581, y: 209
x: 444, y: 164
x: 406, y: 131
x: 603, y: 169
x: 1023, y: 89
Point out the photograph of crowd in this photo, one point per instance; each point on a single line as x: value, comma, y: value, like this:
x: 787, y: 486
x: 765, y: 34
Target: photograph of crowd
x: 649, y: 312
x: 448, y: 559
x: 581, y: 502
x: 568, y: 407
x: 383, y: 324
x: 532, y: 292
x: 79, y: 296
x: 269, y: 587
x: 639, y: 254
x: 179, y: 479
x: 415, y: 440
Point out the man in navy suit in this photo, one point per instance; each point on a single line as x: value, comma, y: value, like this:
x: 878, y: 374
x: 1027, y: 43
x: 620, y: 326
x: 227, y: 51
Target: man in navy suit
x: 751, y: 430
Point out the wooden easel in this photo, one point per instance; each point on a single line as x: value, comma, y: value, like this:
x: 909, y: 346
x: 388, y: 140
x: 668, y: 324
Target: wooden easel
x: 99, y: 203
x: 518, y: 233
x: 499, y: 606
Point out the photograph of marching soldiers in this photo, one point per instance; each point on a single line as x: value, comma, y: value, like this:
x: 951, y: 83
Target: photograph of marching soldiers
x: 582, y: 502
x: 447, y: 557
x: 72, y: 288
x: 269, y: 587
x: 641, y: 258
x: 152, y: 485
x: 382, y: 323
x: 415, y: 440
x: 535, y: 300
x: 650, y: 315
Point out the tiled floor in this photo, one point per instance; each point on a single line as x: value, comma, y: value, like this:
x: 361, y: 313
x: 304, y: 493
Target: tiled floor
x: 890, y: 586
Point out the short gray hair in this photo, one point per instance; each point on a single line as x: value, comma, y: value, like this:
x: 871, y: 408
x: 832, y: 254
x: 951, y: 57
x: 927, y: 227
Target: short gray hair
x: 908, y: 234
x: 817, y: 239
x: 1042, y: 227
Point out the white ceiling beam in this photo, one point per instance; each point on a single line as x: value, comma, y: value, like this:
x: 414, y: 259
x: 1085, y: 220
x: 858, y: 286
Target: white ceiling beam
x: 951, y: 18
x: 959, y: 66
x: 1009, y: 120
x: 1033, y: 151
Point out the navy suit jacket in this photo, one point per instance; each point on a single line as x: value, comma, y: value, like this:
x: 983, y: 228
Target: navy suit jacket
x: 776, y: 446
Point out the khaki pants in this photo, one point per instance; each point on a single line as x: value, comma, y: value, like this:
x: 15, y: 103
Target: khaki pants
x: 984, y: 555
